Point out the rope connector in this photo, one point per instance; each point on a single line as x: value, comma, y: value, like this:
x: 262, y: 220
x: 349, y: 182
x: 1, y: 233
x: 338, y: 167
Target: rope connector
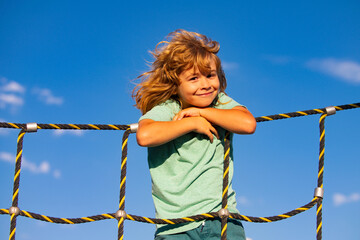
x: 330, y: 110
x: 224, y: 213
x: 31, y: 127
x: 14, y: 210
x: 120, y: 214
x: 319, y: 192
x: 134, y: 127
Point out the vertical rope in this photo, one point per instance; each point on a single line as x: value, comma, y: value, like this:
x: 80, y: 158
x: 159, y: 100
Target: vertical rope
x: 225, y: 185
x: 320, y: 176
x: 122, y: 183
x: 15, y: 198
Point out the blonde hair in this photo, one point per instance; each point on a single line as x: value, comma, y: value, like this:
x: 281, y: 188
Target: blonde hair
x: 183, y: 50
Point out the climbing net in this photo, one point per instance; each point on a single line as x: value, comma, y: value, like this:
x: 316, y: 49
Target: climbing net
x: 14, y: 211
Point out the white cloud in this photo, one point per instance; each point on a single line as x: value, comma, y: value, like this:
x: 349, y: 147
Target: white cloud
x: 346, y: 70
x: 249, y: 238
x: 11, y: 94
x: 7, y: 157
x: 10, y: 99
x: 11, y: 86
x: 61, y: 132
x: 45, y: 95
x: 340, y: 199
x: 42, y: 168
x: 227, y: 66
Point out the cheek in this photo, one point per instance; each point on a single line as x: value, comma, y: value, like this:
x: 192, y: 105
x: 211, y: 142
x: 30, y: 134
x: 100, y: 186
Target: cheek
x: 216, y: 84
x: 186, y: 89
x: 181, y: 92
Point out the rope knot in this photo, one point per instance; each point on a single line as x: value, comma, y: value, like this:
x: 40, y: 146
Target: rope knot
x: 224, y: 213
x: 120, y: 214
x: 14, y: 210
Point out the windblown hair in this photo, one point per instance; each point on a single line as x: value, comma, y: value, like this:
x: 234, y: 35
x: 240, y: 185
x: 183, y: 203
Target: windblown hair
x: 182, y: 51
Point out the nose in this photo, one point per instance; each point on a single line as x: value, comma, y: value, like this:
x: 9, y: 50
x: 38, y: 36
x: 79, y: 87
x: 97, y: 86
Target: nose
x: 204, y: 83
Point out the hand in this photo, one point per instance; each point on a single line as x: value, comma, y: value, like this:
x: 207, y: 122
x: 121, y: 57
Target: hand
x: 187, y: 112
x: 203, y: 126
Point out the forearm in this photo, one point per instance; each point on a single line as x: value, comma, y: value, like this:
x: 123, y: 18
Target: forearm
x: 153, y: 133
x: 237, y: 120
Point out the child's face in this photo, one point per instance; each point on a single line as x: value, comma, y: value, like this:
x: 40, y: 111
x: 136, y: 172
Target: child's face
x: 197, y: 90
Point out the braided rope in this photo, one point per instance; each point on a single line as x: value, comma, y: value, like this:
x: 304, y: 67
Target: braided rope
x: 199, y: 217
x: 125, y: 127
x: 320, y: 175
x: 121, y: 215
x: 305, y: 113
x: 15, y: 198
x: 67, y: 126
x: 62, y: 220
x: 122, y: 184
x: 224, y: 202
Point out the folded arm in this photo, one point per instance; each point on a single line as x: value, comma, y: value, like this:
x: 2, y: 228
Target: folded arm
x: 201, y: 120
x: 237, y: 120
x: 152, y: 133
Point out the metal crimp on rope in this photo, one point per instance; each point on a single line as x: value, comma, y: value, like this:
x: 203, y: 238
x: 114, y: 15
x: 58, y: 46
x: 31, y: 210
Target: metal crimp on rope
x: 31, y: 127
x: 134, y: 127
x: 319, y: 192
x: 330, y: 110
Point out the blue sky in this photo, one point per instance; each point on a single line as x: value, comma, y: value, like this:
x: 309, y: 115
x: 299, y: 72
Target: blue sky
x: 74, y: 62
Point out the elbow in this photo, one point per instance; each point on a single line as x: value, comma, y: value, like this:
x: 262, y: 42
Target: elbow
x: 248, y: 127
x: 145, y: 134
x: 142, y: 139
x: 251, y: 127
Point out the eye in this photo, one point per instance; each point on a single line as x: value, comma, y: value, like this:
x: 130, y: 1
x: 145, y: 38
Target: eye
x: 193, y: 78
x: 211, y: 75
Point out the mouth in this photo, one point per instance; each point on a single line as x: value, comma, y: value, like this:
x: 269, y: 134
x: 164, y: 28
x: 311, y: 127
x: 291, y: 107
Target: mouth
x: 204, y: 94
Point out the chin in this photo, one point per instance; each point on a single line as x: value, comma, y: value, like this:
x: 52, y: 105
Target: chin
x: 203, y: 105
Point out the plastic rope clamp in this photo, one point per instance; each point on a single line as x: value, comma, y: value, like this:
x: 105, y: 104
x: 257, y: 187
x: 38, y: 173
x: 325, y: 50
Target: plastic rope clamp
x: 14, y: 210
x: 134, y: 127
x: 319, y: 192
x: 330, y: 110
x: 224, y: 212
x: 120, y: 214
x: 31, y: 127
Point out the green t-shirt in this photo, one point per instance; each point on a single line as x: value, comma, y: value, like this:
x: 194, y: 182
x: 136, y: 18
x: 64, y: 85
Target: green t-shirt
x: 187, y: 172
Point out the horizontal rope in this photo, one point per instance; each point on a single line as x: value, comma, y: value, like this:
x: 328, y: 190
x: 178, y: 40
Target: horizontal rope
x: 278, y: 217
x: 194, y: 218
x: 62, y: 220
x: 305, y: 113
x: 67, y: 126
x: 124, y: 127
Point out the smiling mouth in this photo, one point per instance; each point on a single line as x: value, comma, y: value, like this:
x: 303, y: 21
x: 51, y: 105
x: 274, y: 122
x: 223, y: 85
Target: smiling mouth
x: 205, y: 94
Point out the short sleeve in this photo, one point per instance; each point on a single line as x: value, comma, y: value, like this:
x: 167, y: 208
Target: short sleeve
x: 226, y: 102
x: 162, y: 112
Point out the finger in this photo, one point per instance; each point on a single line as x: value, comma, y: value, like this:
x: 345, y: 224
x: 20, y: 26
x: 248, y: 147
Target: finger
x: 180, y: 116
x: 211, y: 137
x: 175, y: 117
x: 214, y: 131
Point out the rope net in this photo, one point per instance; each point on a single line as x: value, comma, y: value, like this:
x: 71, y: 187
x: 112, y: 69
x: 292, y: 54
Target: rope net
x: 14, y: 211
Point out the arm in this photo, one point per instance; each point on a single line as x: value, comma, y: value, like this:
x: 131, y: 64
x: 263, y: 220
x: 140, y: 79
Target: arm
x: 237, y: 120
x: 154, y: 133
